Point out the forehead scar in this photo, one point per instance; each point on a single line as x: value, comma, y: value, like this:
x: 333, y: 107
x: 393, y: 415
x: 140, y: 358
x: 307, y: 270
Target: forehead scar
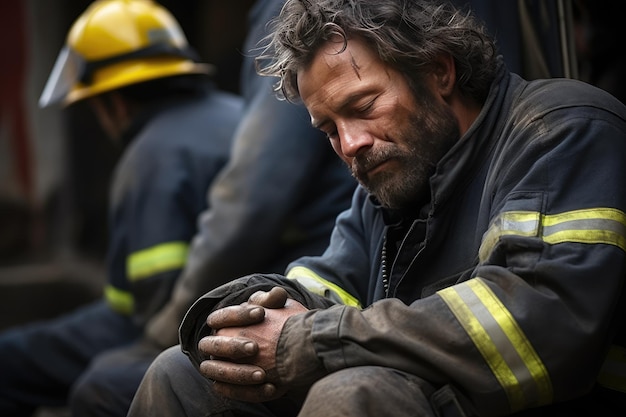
x: 355, y: 66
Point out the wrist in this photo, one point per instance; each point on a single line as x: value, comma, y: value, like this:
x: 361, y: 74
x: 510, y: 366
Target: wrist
x: 297, y: 363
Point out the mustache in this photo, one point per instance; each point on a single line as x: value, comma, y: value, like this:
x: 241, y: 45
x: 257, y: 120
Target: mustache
x: 373, y: 157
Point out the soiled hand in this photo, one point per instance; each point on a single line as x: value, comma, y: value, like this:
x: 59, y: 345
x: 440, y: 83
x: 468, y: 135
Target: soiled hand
x: 242, y: 349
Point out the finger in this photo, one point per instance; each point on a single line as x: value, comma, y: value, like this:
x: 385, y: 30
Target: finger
x: 235, y: 316
x: 274, y: 298
x: 248, y: 393
x: 227, y: 347
x: 232, y: 373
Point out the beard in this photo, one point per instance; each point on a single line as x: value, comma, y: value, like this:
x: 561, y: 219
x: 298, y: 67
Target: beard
x: 413, y: 154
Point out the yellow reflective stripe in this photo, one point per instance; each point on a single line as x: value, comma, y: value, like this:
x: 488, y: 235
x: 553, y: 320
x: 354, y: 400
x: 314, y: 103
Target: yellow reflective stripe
x: 120, y: 301
x: 318, y: 285
x: 501, y: 342
x: 160, y: 258
x: 603, y: 225
x: 598, y: 225
x: 613, y: 372
x: 521, y: 223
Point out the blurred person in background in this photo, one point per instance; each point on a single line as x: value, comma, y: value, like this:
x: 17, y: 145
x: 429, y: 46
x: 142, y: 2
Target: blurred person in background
x: 130, y: 61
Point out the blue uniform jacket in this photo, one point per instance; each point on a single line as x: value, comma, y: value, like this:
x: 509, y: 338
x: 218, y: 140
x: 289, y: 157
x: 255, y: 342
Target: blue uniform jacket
x: 159, y: 188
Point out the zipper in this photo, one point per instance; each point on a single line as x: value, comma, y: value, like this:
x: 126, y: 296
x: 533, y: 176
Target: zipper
x: 385, y: 270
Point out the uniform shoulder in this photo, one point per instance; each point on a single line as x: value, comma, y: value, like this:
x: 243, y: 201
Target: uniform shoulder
x: 546, y: 95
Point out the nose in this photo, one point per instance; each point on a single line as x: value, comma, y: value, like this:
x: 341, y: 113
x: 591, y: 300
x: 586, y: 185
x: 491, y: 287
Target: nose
x: 353, y: 138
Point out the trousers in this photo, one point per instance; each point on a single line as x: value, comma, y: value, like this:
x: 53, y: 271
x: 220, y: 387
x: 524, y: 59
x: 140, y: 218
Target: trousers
x: 81, y: 359
x: 172, y: 386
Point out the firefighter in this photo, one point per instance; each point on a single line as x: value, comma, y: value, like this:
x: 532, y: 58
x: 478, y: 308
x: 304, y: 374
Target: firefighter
x: 481, y: 268
x: 130, y: 62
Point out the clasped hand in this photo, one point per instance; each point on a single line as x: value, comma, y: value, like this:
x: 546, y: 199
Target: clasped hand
x: 241, y: 352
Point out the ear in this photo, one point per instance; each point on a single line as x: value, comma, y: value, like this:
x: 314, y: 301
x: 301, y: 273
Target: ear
x: 119, y: 107
x: 111, y: 104
x: 444, y: 72
x: 112, y: 112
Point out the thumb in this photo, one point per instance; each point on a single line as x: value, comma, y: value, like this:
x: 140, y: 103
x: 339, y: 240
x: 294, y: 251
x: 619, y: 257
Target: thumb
x: 274, y: 298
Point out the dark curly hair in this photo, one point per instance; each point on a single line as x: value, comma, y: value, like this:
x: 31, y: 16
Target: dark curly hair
x: 407, y: 35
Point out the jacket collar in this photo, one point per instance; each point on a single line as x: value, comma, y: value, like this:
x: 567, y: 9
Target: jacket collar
x: 459, y: 166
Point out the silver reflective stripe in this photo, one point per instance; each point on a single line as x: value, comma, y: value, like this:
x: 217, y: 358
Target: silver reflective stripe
x: 592, y: 226
x: 600, y: 225
x: 521, y: 223
x: 502, y: 343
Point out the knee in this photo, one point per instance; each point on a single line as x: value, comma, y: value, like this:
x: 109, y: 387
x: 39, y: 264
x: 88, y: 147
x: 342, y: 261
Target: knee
x: 172, y: 386
x: 346, y: 383
x: 170, y: 364
x: 339, y: 393
x: 368, y: 390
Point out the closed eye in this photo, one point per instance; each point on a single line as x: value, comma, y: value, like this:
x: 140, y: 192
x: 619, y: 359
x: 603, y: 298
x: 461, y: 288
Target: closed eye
x: 367, y: 107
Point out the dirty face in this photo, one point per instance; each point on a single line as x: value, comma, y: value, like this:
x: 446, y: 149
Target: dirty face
x: 390, y: 137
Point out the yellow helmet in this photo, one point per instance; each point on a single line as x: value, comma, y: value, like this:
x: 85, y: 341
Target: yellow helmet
x: 116, y: 43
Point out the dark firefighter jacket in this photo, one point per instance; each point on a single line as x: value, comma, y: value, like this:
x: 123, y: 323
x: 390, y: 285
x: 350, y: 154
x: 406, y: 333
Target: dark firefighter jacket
x: 508, y: 286
x: 174, y: 152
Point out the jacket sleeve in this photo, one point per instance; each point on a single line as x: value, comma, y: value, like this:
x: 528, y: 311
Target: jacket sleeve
x: 144, y: 260
x: 341, y: 272
x: 532, y: 323
x: 237, y: 291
